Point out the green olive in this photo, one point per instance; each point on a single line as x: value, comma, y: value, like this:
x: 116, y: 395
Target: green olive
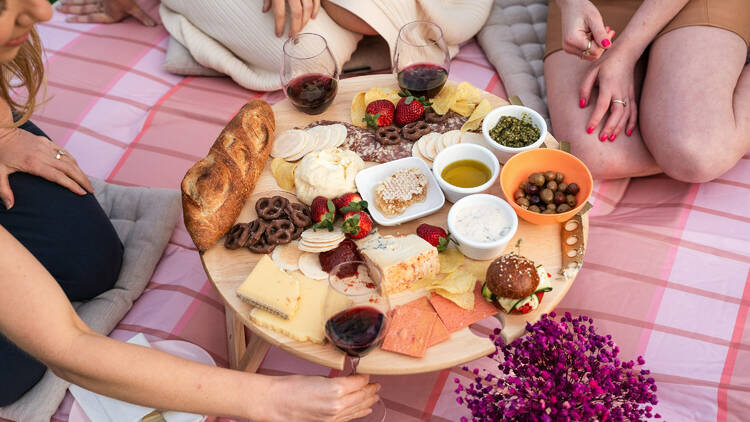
x: 523, y: 186
x: 537, y: 179
x: 549, y: 175
x: 563, y: 208
x: 547, y: 196
x: 523, y: 202
x: 552, y: 185
x: 534, y: 208
x: 548, y: 211
x: 561, y: 187
x: 559, y: 177
x: 518, y: 194
x: 571, y: 201
x: 552, y: 207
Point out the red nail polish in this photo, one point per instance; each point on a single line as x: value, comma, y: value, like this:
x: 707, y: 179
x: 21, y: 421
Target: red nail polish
x: 630, y: 132
x: 606, y: 43
x: 582, y: 103
x: 607, y: 28
x: 603, y: 138
x: 612, y: 137
x: 590, y: 130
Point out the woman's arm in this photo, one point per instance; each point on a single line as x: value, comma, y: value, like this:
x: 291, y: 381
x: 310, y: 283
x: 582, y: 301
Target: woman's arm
x: 615, y: 71
x: 36, y: 315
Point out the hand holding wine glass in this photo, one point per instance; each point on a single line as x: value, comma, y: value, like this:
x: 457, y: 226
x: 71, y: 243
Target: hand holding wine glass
x: 356, y: 312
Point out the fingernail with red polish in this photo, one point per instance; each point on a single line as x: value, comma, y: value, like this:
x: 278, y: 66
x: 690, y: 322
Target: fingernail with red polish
x: 590, y: 130
x: 582, y: 103
x: 612, y: 137
x: 630, y: 132
x: 606, y: 43
x: 607, y: 28
x: 603, y: 138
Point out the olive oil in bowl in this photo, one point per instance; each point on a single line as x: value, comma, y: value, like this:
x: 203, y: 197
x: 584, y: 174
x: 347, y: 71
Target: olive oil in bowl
x: 466, y: 173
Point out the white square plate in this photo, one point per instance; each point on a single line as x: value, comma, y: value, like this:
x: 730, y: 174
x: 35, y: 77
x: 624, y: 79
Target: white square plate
x: 369, y: 178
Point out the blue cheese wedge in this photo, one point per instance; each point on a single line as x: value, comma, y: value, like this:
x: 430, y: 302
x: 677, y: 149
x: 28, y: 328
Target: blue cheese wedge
x: 271, y: 289
x: 545, y: 285
x: 401, y: 259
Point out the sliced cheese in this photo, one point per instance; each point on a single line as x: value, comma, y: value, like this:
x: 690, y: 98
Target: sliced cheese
x: 270, y: 288
x: 308, y: 323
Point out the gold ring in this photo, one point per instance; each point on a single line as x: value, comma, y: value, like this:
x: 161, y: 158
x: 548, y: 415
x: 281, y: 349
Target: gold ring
x: 623, y: 102
x: 586, y: 51
x: 60, y: 154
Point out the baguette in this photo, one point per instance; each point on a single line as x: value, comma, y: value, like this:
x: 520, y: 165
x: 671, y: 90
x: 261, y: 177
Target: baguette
x: 216, y: 188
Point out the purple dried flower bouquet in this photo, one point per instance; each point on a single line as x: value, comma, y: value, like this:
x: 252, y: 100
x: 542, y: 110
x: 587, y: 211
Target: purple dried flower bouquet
x: 560, y: 371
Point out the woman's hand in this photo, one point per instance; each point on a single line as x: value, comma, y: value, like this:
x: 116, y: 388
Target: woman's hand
x: 25, y: 152
x: 614, y: 74
x: 318, y: 399
x: 582, y: 23
x: 103, y: 11
x: 301, y: 11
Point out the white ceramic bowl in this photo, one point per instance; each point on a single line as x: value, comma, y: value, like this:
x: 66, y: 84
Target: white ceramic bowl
x: 481, y: 204
x: 464, y: 152
x: 502, y: 152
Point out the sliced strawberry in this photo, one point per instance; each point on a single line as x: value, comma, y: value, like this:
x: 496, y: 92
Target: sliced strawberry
x: 357, y: 224
x: 323, y: 213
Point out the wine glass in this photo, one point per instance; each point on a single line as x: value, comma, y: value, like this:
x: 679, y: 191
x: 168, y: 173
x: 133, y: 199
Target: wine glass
x: 356, y: 312
x: 421, y: 59
x: 309, y: 73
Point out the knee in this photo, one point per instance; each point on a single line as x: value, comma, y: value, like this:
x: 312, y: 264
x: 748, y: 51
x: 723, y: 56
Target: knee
x: 695, y: 165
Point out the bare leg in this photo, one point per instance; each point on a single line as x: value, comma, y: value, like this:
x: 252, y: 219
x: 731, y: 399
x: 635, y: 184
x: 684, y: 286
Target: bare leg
x: 625, y: 157
x: 695, y: 103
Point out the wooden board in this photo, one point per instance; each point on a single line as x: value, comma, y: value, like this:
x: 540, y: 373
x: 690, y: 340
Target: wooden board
x: 227, y: 269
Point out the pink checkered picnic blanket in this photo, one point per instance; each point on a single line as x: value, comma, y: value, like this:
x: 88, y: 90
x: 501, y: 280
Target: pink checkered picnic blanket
x: 667, y: 270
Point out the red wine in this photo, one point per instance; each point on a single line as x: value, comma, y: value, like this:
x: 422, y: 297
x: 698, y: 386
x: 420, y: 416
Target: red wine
x: 356, y: 329
x: 312, y: 93
x: 423, y: 79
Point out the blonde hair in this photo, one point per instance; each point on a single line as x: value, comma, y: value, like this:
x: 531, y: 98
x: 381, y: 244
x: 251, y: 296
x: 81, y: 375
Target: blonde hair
x: 26, y: 70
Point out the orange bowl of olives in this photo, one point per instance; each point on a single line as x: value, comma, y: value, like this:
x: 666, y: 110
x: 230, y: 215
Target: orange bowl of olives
x: 546, y: 186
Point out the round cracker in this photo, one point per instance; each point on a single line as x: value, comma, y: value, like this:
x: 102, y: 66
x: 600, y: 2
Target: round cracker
x: 306, y: 145
x: 287, y: 143
x: 338, y: 135
x: 309, y: 265
x: 320, y: 136
x: 315, y: 249
x: 415, y: 152
x: 472, y: 138
x: 322, y: 235
x: 287, y: 256
x: 452, y: 137
x: 430, y: 145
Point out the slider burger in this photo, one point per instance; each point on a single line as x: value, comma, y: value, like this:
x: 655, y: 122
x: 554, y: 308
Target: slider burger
x: 515, y: 284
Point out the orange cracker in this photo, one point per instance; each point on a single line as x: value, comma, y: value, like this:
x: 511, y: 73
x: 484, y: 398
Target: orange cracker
x: 455, y: 318
x: 439, y: 332
x: 409, y: 332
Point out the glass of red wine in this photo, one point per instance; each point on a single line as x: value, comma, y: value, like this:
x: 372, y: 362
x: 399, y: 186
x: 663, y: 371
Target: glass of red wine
x: 309, y: 73
x: 357, y: 313
x: 421, y: 59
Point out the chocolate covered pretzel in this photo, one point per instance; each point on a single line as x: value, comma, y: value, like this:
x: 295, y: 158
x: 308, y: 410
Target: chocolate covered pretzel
x: 415, y: 130
x: 271, y: 208
x: 388, y: 135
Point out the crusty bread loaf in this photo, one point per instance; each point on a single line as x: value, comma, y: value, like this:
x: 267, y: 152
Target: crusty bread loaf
x: 215, y: 189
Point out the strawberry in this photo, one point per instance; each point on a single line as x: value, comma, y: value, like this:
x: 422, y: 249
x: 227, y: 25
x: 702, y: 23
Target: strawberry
x: 323, y: 213
x: 409, y: 108
x: 349, y: 202
x: 379, y: 113
x: 357, y: 224
x: 435, y: 236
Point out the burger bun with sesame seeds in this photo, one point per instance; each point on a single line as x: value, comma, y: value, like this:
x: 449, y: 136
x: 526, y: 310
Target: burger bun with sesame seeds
x: 512, y: 276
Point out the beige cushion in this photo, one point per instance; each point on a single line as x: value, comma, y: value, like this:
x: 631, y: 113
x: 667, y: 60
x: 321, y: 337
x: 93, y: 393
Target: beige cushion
x: 144, y: 219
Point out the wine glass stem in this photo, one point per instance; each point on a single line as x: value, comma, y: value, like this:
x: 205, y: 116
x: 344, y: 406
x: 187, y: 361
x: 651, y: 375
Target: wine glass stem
x: 355, y: 362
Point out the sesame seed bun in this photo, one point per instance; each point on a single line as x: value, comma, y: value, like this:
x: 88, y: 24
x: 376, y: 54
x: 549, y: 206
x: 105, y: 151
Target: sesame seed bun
x: 512, y: 276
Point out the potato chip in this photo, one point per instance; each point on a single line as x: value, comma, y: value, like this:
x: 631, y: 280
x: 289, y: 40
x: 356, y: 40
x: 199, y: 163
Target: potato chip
x: 283, y: 172
x: 468, y: 93
x: 377, y: 93
x: 477, y: 268
x: 444, y: 100
x: 475, y: 120
x: 456, y: 282
x: 463, y: 108
x: 425, y: 283
x: 464, y: 300
x: 358, y: 110
x: 450, y: 260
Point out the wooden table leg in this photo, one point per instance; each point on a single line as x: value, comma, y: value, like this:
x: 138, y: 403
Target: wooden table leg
x: 235, y: 337
x: 254, y: 354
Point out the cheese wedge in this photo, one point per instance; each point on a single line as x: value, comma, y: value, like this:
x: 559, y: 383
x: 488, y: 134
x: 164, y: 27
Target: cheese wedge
x: 402, y: 260
x: 307, y: 324
x: 270, y: 288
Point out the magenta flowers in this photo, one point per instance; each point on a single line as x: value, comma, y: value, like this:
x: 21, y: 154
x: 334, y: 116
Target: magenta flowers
x: 560, y: 371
